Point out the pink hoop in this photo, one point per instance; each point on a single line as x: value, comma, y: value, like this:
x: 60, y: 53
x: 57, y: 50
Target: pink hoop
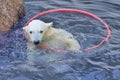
x: 77, y: 11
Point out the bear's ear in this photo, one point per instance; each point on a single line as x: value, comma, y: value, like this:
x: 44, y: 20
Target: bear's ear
x: 25, y: 32
x: 49, y: 24
x: 25, y: 28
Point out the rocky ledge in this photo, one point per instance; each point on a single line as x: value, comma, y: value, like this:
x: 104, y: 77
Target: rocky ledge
x: 10, y: 12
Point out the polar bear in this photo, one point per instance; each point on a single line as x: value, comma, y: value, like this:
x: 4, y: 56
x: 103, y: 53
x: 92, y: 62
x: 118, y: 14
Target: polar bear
x: 40, y: 33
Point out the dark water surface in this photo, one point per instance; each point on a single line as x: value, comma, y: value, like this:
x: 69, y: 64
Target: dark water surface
x: 102, y: 63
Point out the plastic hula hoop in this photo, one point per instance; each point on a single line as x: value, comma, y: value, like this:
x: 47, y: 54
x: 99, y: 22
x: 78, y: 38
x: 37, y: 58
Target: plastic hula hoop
x: 76, y: 11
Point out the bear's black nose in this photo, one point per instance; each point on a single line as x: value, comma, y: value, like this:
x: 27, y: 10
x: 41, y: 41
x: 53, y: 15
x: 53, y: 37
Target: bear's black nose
x: 36, y: 42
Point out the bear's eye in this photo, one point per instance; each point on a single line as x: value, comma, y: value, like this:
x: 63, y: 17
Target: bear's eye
x: 31, y: 32
x: 41, y: 31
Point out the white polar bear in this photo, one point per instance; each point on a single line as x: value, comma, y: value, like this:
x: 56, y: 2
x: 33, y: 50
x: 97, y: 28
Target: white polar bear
x: 40, y: 33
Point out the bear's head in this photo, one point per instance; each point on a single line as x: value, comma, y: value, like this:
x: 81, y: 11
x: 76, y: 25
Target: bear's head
x: 35, y: 31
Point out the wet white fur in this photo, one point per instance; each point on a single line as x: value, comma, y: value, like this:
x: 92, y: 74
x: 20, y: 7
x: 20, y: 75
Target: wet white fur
x: 51, y: 37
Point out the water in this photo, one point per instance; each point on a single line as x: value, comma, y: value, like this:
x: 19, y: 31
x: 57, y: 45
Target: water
x: 102, y: 63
